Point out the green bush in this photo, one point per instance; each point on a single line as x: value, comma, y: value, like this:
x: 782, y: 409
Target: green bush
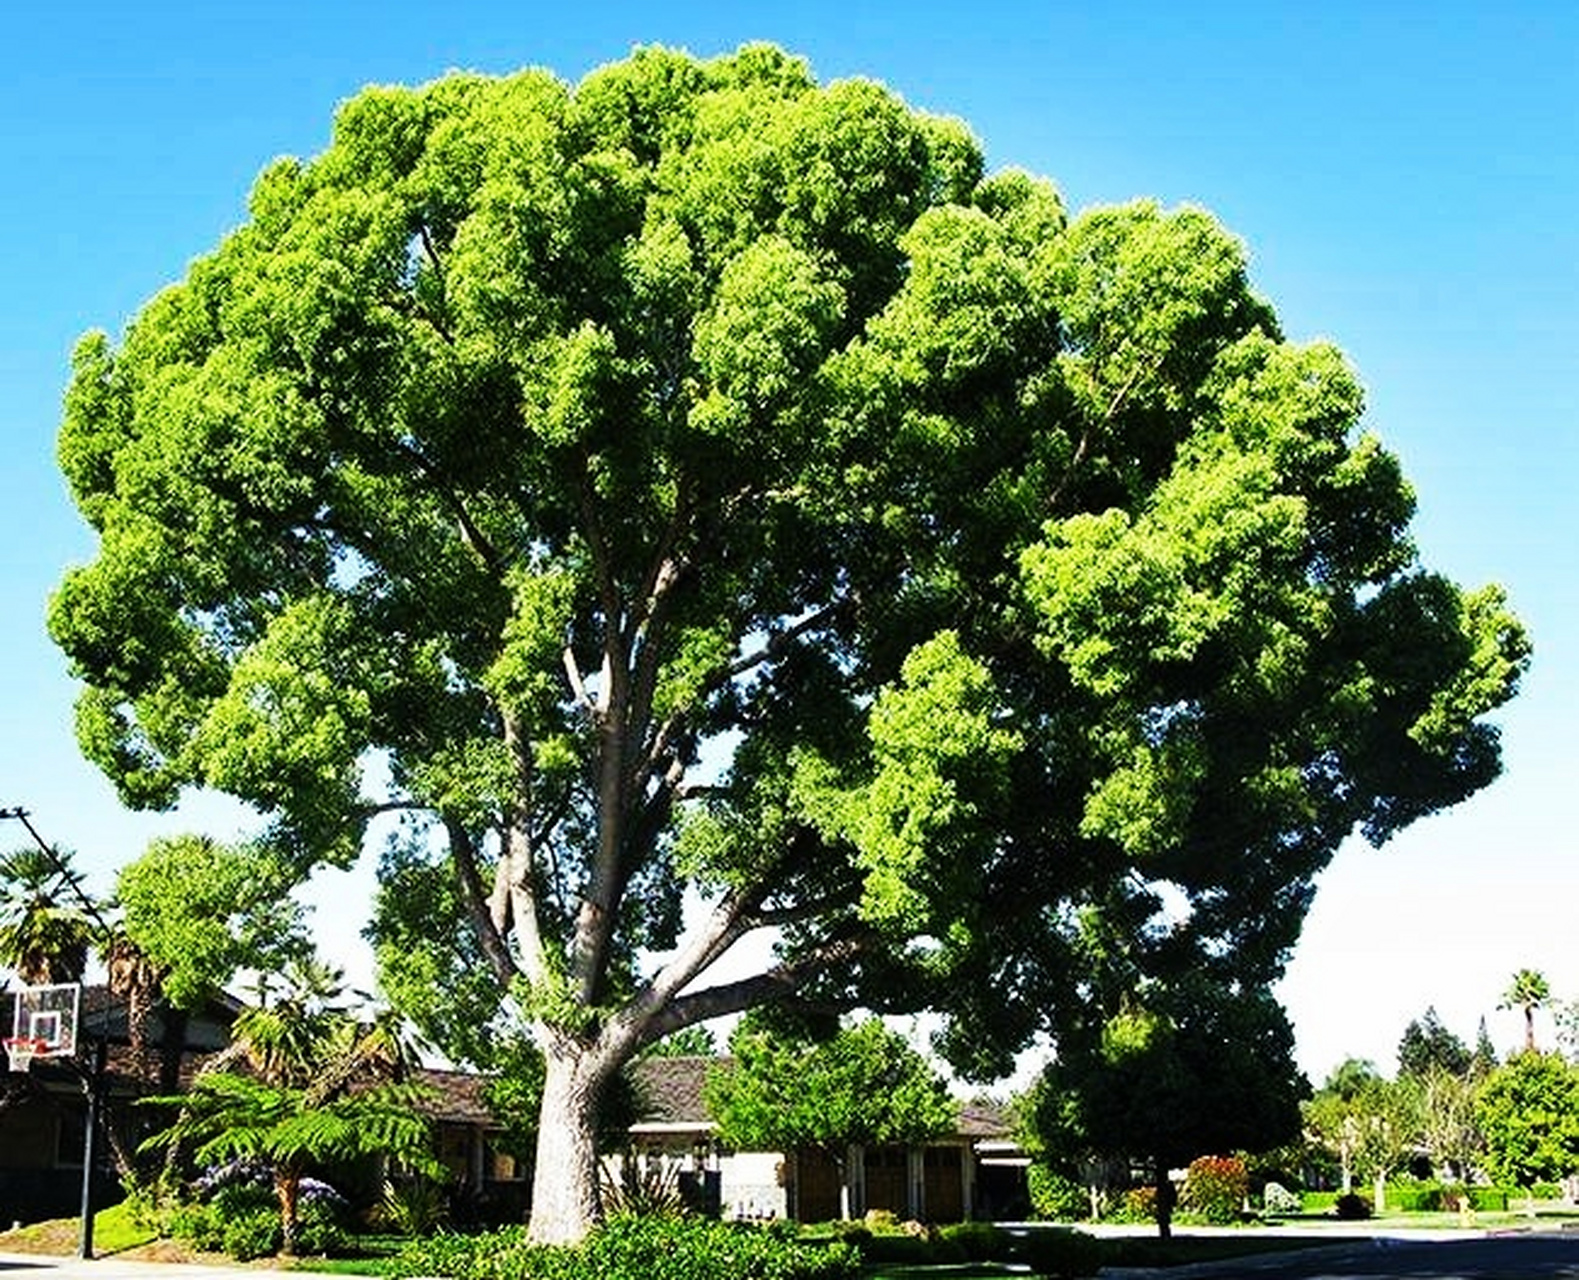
x: 1318, y: 1201
x: 1056, y: 1197
x: 254, y: 1233
x: 631, y: 1249
x: 977, y: 1241
x: 1418, y: 1197
x: 1062, y: 1253
x: 1215, y: 1188
x: 1547, y: 1191
x: 1138, y: 1205
x: 1488, y: 1199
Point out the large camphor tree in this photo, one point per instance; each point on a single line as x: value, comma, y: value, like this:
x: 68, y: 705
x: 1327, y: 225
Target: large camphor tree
x: 702, y: 485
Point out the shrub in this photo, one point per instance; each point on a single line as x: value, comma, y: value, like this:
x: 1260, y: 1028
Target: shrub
x: 632, y: 1249
x: 254, y: 1233
x: 1055, y: 1196
x: 1352, y: 1207
x: 1488, y: 1199
x: 1063, y: 1253
x: 1418, y: 1197
x: 976, y: 1241
x: 1215, y: 1188
x: 1138, y: 1205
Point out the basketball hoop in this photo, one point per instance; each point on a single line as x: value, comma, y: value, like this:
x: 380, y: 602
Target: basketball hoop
x: 21, y: 1050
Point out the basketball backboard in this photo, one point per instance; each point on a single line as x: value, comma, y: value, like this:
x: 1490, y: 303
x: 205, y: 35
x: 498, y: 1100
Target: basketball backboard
x: 48, y: 1016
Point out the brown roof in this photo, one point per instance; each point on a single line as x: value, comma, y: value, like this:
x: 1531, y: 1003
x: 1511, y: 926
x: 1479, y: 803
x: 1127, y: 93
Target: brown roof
x: 669, y: 1090
x: 457, y: 1096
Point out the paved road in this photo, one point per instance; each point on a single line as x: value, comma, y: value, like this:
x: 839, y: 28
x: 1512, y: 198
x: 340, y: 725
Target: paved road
x: 1525, y: 1256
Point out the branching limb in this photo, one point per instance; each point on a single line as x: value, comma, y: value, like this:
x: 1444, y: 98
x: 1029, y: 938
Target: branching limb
x: 490, y: 936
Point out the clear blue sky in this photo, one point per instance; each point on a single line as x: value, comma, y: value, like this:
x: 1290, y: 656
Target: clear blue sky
x: 1403, y: 173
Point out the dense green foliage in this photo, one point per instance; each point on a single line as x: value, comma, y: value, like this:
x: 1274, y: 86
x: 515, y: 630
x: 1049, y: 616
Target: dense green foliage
x: 632, y: 1249
x: 534, y: 439
x: 1528, y: 1110
x: 45, y: 933
x: 1428, y: 1046
x: 1200, y: 1071
x: 864, y: 1085
x: 321, y: 1087
x: 200, y: 911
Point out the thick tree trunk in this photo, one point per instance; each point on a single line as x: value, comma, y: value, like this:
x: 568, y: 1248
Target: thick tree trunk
x: 1166, y: 1195
x: 565, y: 1179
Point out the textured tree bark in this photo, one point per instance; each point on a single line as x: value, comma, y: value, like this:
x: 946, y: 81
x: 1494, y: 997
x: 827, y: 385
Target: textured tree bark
x: 565, y: 1181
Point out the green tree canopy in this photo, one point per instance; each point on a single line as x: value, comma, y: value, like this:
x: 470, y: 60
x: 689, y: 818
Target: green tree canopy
x: 200, y: 911
x: 705, y: 478
x: 865, y: 1085
x: 1176, y: 1074
x: 1528, y: 1111
x: 1428, y: 1046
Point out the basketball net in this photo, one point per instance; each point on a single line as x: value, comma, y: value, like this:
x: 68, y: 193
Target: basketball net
x: 21, y: 1050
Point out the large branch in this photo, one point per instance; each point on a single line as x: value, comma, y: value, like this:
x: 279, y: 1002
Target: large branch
x: 776, y: 984
x: 490, y: 936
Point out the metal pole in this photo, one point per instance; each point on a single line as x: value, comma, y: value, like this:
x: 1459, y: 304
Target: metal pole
x: 89, y: 1156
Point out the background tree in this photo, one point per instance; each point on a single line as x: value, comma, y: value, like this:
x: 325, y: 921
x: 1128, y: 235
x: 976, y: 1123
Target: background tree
x: 1370, y: 1123
x: 46, y: 932
x: 1528, y: 1110
x: 1174, y: 1076
x: 864, y: 1086
x: 702, y: 478
x: 1427, y: 1045
x: 1527, y: 992
x: 1448, y: 1126
x: 322, y: 1087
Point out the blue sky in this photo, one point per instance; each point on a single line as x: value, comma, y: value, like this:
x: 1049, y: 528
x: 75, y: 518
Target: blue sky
x: 1404, y: 174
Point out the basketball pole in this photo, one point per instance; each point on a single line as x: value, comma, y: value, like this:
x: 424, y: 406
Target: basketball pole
x: 94, y: 1084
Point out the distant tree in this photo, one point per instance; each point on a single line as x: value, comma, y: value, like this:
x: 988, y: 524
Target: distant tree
x: 321, y: 1086
x: 865, y: 1086
x: 46, y: 928
x: 1448, y: 1128
x: 201, y: 912
x: 1528, y: 991
x: 688, y: 1042
x: 1428, y: 1045
x: 1484, y: 1060
x: 1366, y: 1121
x: 1528, y: 1110
x: 1201, y: 1071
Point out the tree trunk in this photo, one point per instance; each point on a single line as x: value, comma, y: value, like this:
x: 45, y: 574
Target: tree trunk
x: 287, y: 1183
x: 565, y: 1179
x: 1379, y: 1191
x: 1165, y: 1198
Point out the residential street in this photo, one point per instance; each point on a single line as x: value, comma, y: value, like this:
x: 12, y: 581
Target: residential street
x: 1521, y: 1256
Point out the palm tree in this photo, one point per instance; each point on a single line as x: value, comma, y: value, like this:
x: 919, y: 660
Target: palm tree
x: 318, y: 1085
x: 45, y: 927
x: 1528, y: 991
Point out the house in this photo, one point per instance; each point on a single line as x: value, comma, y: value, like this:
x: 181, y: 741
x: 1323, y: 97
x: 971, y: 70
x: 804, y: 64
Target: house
x: 968, y: 1173
x: 43, y: 1111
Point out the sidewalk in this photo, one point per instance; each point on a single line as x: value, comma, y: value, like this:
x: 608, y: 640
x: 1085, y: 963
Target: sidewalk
x: 44, y: 1266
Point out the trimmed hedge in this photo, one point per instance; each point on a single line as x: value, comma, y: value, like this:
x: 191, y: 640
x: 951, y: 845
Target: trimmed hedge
x: 631, y: 1249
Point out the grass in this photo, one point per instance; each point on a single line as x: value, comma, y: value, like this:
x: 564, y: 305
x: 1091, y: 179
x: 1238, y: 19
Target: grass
x: 115, y: 1230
